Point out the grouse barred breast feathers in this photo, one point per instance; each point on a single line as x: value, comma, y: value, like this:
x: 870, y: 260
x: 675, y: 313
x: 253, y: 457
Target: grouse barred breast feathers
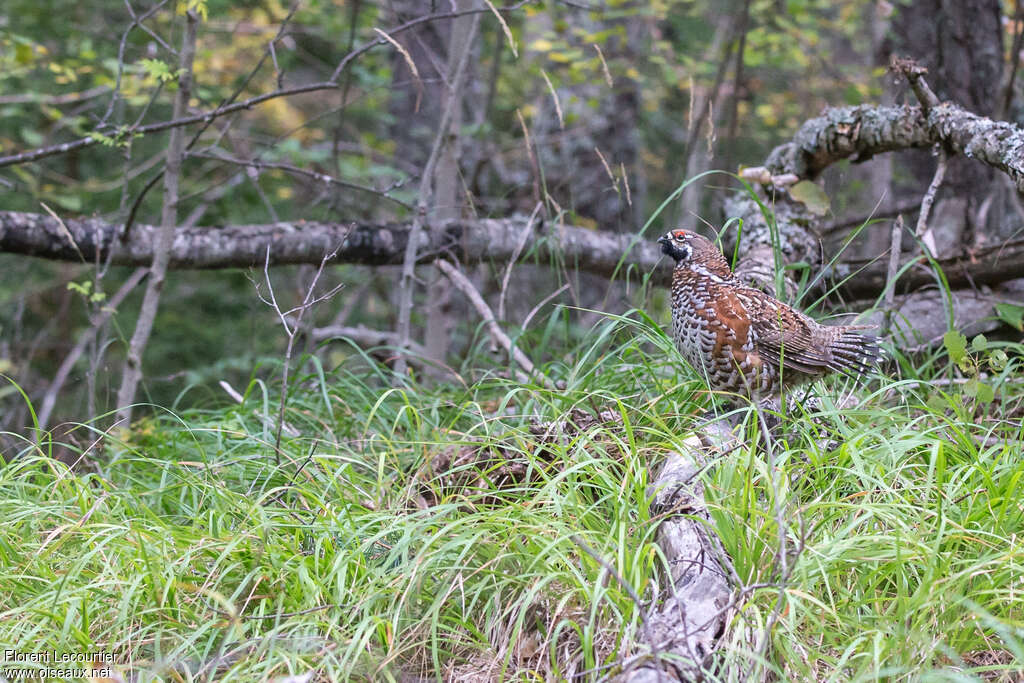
x: 744, y: 341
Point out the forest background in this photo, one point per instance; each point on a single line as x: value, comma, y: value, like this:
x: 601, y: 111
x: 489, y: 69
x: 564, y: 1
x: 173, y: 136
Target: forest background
x: 332, y: 231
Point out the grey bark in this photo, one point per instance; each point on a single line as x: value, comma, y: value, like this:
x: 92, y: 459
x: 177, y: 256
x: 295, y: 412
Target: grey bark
x: 447, y: 203
x: 468, y: 241
x: 860, y: 133
x: 363, y: 336
x: 960, y: 43
x: 864, y: 131
x: 916, y: 324
x: 425, y: 196
x: 245, y: 246
x: 695, y: 605
x: 164, y: 237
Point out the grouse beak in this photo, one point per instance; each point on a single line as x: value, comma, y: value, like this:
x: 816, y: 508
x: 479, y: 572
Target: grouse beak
x: 663, y: 239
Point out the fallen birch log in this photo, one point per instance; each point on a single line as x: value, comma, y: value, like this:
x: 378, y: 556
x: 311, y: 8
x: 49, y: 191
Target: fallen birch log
x: 699, y: 599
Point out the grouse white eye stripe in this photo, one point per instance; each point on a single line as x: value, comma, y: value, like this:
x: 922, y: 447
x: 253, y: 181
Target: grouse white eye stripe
x: 743, y: 341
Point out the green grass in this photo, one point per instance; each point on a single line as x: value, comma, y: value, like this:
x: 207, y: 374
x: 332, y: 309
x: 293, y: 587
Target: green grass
x: 183, y: 548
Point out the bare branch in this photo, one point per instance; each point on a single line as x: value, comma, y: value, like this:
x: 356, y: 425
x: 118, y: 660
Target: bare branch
x: 863, y: 131
x: 206, y: 117
x: 469, y: 241
x: 467, y: 288
x: 914, y: 73
x: 108, y: 309
x: 178, y: 122
x: 132, y: 373
x: 291, y: 329
x: 364, y: 336
x: 405, y: 285
x: 136, y: 21
x: 923, y: 232
x: 55, y: 100
x: 375, y: 244
x: 295, y: 170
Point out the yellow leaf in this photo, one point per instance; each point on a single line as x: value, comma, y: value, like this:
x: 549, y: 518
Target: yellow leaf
x: 812, y: 196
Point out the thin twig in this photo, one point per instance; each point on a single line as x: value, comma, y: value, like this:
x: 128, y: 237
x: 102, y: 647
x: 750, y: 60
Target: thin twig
x: 55, y: 100
x: 895, y: 247
x: 923, y: 232
x: 527, y: 229
x: 295, y: 170
x: 209, y: 116
x: 136, y: 21
x: 467, y: 288
x: 416, y: 22
x: 208, y: 122
x: 176, y: 122
x: 540, y: 305
x: 292, y: 329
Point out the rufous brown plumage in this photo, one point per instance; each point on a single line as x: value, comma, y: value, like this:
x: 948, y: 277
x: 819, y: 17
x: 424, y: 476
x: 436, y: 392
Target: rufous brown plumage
x: 743, y: 341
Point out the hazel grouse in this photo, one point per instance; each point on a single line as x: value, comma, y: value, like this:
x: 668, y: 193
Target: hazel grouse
x: 744, y: 341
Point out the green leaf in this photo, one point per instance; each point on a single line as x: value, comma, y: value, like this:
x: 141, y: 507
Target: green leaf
x: 936, y: 403
x: 198, y: 5
x: 80, y: 287
x: 23, y: 54
x: 979, y: 343
x: 68, y: 202
x: 979, y: 390
x: 1012, y: 314
x: 31, y: 137
x: 157, y: 70
x: 812, y: 196
x: 956, y: 345
x: 998, y: 359
x: 104, y: 140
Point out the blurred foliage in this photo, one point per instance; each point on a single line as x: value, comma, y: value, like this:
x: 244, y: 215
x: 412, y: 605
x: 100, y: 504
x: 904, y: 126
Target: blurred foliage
x: 618, y: 80
x: 659, y: 51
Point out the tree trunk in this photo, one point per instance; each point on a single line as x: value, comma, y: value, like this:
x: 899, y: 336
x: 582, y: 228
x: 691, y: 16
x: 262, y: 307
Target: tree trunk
x: 165, y: 237
x: 960, y: 42
x: 447, y: 204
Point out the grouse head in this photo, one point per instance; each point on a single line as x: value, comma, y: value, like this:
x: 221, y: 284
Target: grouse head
x: 688, y: 249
